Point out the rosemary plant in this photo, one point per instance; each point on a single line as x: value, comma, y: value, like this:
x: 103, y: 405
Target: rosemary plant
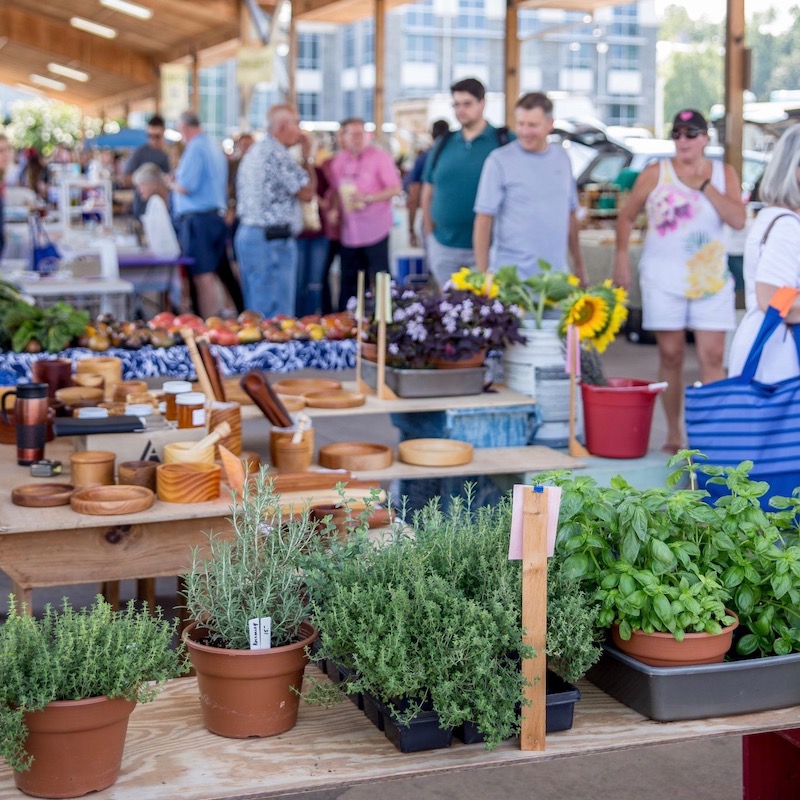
x: 75, y: 655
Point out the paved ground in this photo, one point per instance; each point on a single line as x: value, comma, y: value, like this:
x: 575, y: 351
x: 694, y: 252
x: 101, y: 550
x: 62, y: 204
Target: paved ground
x: 699, y: 771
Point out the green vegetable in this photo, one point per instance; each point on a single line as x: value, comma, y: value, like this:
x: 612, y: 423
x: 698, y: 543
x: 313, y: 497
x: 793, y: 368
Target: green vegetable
x: 53, y: 327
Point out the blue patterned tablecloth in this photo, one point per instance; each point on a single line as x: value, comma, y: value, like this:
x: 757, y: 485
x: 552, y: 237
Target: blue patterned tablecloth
x: 153, y: 362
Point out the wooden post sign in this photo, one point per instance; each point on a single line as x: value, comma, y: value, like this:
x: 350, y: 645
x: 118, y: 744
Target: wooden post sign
x: 383, y: 314
x: 359, y: 326
x: 534, y: 522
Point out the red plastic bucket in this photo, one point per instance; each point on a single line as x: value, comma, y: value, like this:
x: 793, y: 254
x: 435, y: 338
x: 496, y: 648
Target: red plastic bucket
x: 618, y: 417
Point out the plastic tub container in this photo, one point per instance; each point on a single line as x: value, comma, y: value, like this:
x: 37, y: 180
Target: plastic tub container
x: 618, y: 417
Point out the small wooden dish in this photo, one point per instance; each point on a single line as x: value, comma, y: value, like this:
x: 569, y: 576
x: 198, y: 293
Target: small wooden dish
x: 354, y: 456
x: 112, y: 500
x: 339, y: 398
x: 188, y: 483
x: 42, y: 495
x: 304, y: 385
x: 435, y: 452
x: 292, y: 402
x: 70, y: 395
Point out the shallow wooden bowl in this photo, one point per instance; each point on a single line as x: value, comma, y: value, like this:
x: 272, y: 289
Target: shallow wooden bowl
x: 292, y: 402
x: 304, y: 385
x: 112, y: 499
x: 338, y: 398
x: 188, y: 483
x: 70, y: 395
x: 355, y: 456
x: 42, y: 495
x: 435, y: 452
x: 186, y: 453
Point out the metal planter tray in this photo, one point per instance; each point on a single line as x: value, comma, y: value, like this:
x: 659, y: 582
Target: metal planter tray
x: 426, y: 382
x: 666, y: 694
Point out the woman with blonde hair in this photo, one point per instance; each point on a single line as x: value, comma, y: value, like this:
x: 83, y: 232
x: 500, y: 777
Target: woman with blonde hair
x: 770, y: 262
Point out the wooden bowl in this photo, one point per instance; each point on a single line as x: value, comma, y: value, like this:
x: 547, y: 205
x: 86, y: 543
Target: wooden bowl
x: 69, y: 395
x: 188, y: 483
x: 42, y: 495
x: 338, y: 398
x: 355, y: 456
x: 183, y: 453
x: 303, y: 385
x: 112, y: 500
x: 435, y: 452
x: 292, y: 402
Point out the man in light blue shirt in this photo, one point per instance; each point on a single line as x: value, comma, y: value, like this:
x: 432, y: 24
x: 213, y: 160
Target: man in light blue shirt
x: 526, y: 200
x: 199, y: 202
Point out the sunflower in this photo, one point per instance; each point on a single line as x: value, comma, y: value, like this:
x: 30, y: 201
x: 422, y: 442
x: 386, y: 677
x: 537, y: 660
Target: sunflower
x: 467, y: 280
x: 589, y: 313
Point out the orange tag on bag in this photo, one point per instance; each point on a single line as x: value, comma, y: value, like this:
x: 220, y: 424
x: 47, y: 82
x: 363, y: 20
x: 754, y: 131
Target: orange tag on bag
x: 782, y: 299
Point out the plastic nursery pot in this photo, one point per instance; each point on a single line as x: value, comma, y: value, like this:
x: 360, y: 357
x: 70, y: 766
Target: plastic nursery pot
x: 248, y: 692
x: 664, y: 650
x: 422, y: 733
x: 76, y: 746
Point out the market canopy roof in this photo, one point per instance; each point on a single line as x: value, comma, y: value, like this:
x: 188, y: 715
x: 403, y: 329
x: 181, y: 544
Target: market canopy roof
x: 33, y: 35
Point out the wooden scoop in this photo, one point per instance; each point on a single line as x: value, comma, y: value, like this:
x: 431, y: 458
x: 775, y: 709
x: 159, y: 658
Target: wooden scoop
x: 265, y: 398
x: 220, y: 432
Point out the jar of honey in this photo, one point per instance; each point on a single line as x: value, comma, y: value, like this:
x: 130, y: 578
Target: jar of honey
x: 191, y: 408
x: 171, y: 390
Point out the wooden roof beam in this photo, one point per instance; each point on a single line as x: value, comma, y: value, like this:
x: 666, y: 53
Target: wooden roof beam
x: 67, y: 44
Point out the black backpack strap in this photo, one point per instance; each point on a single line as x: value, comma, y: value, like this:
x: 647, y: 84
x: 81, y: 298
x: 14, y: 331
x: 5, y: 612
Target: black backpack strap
x: 503, y: 136
x: 437, y: 149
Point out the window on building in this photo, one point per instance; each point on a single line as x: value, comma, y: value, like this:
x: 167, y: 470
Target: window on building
x: 368, y: 104
x: 577, y: 55
x: 470, y: 50
x: 307, y: 51
x: 369, y: 42
x: 308, y: 105
x: 420, y: 49
x: 349, y: 46
x: 623, y: 57
x: 471, y: 15
x: 213, y: 100
x: 626, y: 21
x: 621, y: 114
x: 349, y: 103
x: 420, y: 15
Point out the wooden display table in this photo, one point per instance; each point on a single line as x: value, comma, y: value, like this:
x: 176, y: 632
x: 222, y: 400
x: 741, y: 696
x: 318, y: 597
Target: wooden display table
x: 169, y: 754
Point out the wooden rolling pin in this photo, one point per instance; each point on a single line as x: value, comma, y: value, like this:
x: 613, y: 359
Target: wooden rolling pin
x: 220, y: 432
x: 202, y: 376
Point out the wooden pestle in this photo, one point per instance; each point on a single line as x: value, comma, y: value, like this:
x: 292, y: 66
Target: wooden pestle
x: 220, y: 432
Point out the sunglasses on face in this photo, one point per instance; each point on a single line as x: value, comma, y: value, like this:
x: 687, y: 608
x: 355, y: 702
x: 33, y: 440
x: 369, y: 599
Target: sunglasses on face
x: 689, y: 133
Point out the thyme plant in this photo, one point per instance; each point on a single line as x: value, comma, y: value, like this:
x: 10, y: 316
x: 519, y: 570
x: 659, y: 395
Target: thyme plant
x: 75, y: 655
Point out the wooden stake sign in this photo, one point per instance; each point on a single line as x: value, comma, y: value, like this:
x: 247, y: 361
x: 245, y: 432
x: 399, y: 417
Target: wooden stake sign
x: 533, y: 528
x: 576, y: 449
x: 359, y: 325
x: 383, y: 314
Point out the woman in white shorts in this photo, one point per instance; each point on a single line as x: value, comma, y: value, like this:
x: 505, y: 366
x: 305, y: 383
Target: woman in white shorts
x: 683, y: 270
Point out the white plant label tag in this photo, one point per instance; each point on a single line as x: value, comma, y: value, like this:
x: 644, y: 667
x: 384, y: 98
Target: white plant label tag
x: 260, y: 631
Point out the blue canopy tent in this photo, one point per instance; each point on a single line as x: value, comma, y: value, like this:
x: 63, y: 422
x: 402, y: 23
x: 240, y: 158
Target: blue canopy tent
x: 124, y: 138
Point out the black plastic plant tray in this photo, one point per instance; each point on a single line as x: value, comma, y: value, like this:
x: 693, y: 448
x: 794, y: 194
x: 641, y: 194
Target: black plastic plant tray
x: 559, y: 711
x: 421, y: 733
x: 667, y: 694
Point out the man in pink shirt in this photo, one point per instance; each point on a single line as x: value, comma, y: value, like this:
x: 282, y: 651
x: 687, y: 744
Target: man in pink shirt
x: 366, y: 180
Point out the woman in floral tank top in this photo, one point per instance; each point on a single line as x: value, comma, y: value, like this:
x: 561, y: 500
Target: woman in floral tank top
x: 683, y: 270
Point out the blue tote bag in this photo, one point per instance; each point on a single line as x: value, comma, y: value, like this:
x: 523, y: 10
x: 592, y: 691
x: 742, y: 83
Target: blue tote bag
x: 741, y: 419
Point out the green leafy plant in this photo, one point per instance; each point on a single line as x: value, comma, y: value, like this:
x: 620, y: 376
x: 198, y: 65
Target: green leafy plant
x: 666, y: 560
x: 254, y: 573
x: 535, y: 295
x: 50, y: 329
x: 75, y: 655
x: 433, y: 614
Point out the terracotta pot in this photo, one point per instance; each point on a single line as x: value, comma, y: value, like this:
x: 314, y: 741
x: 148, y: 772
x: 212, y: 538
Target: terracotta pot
x: 76, y: 746
x: 664, y: 650
x: 369, y: 351
x: 248, y: 692
x: 471, y: 361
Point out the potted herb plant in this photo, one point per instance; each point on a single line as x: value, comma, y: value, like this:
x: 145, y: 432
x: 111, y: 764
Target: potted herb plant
x: 68, y: 683
x: 249, y: 636
x: 665, y: 561
x: 428, y: 625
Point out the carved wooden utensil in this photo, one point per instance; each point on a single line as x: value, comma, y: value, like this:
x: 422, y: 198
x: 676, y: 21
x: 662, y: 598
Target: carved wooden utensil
x: 265, y: 398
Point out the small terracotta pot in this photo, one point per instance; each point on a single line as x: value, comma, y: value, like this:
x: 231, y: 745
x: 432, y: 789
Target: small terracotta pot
x: 471, y: 361
x: 76, y: 746
x: 664, y: 650
x: 248, y: 692
x: 369, y: 351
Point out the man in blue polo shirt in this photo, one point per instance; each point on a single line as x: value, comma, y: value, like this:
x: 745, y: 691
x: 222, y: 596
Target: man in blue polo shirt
x: 450, y: 181
x: 199, y: 201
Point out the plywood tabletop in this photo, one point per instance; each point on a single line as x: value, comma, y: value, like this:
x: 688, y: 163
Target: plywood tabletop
x: 169, y: 754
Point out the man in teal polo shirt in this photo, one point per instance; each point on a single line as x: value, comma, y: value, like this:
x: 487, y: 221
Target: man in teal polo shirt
x: 450, y: 181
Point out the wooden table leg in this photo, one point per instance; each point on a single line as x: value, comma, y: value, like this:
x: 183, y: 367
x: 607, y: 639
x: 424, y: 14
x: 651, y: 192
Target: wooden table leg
x: 110, y: 592
x: 146, y: 590
x: 23, y: 596
x: 771, y: 765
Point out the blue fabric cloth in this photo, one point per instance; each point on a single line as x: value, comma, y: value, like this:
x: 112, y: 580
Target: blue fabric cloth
x: 174, y: 362
x: 312, y: 255
x: 268, y: 270
x: 203, y: 173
